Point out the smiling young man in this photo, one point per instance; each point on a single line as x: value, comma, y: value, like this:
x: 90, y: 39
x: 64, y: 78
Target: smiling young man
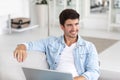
x: 67, y: 53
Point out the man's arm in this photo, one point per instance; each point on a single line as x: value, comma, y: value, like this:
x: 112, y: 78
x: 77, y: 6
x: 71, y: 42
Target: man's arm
x: 92, y: 64
x: 20, y: 53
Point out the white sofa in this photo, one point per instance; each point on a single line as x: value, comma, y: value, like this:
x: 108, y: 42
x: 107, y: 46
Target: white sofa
x: 10, y: 69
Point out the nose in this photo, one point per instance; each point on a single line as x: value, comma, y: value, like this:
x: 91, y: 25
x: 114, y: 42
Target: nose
x: 74, y: 27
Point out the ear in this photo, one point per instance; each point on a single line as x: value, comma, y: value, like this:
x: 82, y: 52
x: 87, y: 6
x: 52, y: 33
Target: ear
x: 62, y: 27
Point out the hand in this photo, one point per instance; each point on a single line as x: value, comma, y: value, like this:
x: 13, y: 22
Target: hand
x: 79, y: 78
x: 20, y: 53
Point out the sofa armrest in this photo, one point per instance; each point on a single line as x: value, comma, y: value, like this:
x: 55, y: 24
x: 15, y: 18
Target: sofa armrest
x: 10, y: 69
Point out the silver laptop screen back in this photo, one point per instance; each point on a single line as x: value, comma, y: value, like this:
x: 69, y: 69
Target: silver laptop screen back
x: 37, y: 74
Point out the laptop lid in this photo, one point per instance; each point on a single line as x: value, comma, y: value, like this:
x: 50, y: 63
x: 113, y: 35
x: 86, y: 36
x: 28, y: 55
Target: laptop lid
x: 38, y: 74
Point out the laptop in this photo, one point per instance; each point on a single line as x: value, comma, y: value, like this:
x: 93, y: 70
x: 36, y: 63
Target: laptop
x: 40, y: 74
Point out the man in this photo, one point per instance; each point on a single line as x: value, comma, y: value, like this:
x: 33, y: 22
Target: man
x: 67, y: 53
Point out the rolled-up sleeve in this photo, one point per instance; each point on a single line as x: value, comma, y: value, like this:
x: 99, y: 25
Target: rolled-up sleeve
x: 39, y: 45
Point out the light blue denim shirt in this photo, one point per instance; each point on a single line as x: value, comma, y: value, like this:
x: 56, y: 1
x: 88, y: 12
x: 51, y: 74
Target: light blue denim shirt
x: 85, y: 55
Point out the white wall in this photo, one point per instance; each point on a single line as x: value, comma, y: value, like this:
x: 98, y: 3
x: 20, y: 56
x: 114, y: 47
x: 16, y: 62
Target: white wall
x: 94, y: 21
x: 16, y: 8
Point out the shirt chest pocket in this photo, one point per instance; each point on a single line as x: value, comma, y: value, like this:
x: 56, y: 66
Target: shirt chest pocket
x: 82, y: 55
x: 52, y: 49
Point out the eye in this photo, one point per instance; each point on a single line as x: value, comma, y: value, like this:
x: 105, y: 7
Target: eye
x: 69, y: 25
x: 77, y: 24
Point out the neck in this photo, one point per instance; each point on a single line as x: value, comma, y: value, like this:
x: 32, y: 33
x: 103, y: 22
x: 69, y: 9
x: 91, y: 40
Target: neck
x: 69, y: 41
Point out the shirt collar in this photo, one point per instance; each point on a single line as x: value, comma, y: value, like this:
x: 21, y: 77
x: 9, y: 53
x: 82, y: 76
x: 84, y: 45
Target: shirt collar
x: 80, y: 41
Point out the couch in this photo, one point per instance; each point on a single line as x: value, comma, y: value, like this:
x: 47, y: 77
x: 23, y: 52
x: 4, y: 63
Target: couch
x: 10, y: 69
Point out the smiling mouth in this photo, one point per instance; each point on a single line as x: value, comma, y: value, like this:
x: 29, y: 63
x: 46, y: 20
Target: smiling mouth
x: 73, y: 32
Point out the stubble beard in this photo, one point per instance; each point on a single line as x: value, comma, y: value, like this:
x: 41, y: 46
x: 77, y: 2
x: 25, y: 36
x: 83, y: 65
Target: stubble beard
x: 73, y: 35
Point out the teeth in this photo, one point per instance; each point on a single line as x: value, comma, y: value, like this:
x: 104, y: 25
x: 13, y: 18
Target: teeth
x: 73, y: 32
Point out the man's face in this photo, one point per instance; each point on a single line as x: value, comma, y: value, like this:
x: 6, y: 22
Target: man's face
x: 71, y: 28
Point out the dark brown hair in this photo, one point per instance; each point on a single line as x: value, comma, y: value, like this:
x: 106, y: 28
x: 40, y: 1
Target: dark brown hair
x: 68, y: 14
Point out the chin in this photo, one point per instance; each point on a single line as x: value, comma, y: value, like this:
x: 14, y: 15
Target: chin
x: 73, y: 36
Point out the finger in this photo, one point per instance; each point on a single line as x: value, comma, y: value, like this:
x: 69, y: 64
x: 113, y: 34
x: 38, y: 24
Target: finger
x: 24, y: 56
x: 19, y: 53
x: 15, y: 54
x: 17, y: 57
x: 21, y: 56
